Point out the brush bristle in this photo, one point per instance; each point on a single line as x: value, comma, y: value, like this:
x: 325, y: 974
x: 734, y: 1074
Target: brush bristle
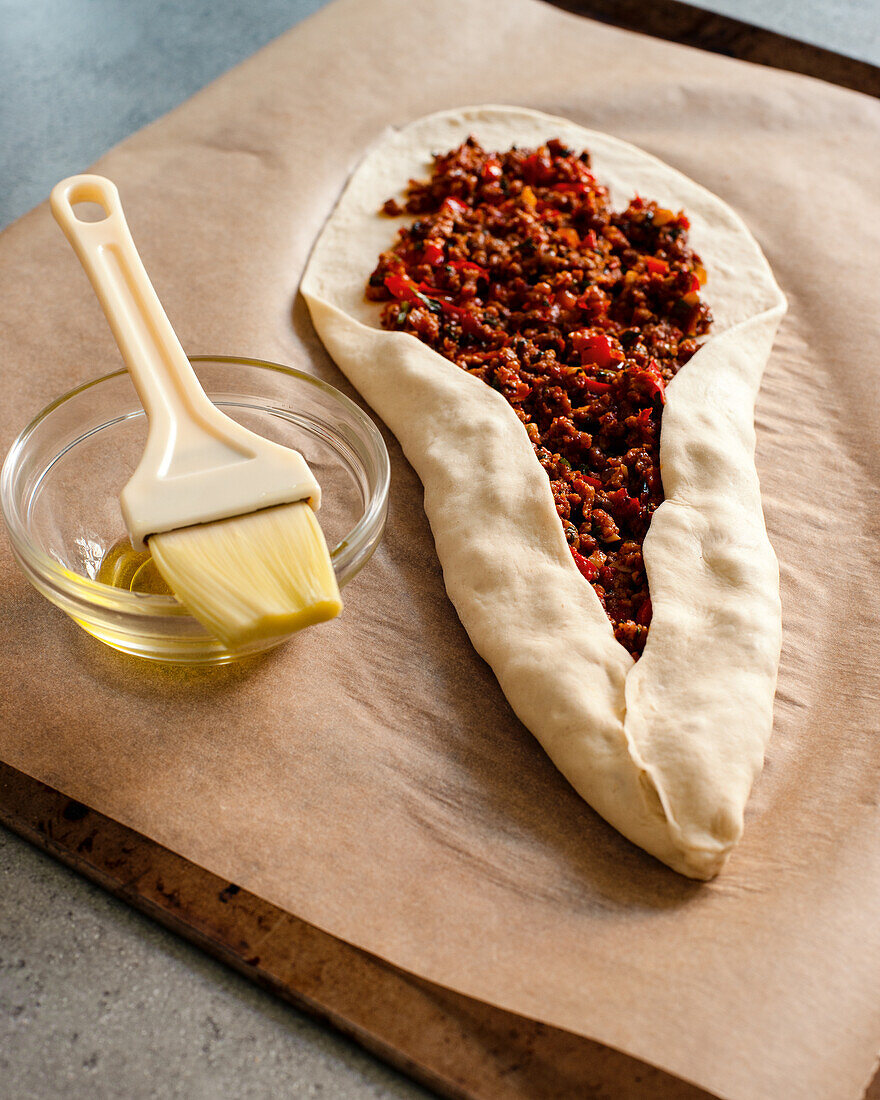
x: 252, y: 577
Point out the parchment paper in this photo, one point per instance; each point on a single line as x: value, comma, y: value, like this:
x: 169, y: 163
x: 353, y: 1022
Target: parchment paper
x: 369, y: 776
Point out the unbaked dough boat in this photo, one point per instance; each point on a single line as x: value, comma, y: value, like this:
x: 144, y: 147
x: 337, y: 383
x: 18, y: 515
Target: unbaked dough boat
x: 666, y: 749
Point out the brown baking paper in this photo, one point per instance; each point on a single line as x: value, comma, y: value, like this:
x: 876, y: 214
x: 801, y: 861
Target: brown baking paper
x: 369, y: 776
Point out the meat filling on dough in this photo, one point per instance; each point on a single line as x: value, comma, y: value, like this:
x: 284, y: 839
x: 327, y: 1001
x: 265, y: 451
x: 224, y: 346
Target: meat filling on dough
x: 517, y: 269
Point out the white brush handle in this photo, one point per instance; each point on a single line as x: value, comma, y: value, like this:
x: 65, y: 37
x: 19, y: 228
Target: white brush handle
x: 198, y: 465
x: 162, y: 374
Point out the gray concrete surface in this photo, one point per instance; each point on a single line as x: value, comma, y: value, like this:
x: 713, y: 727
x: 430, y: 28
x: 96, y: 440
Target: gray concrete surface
x: 98, y: 1002
x: 78, y: 76
x: 95, y: 1001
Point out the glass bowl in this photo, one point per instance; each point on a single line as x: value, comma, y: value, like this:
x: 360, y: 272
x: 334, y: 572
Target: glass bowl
x: 61, y: 480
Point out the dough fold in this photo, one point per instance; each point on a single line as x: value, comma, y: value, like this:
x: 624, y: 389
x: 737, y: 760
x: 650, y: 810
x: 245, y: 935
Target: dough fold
x: 665, y: 749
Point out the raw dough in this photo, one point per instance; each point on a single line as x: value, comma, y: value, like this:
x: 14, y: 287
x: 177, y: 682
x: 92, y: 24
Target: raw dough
x: 666, y: 749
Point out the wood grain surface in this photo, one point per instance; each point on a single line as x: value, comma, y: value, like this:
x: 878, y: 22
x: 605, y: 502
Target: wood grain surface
x: 458, y: 1047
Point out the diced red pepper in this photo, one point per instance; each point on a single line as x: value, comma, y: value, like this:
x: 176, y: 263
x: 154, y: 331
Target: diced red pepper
x: 466, y: 319
x: 594, y: 481
x: 448, y: 307
x: 433, y: 254
x: 593, y: 385
x: 683, y: 221
x: 643, y: 615
x: 431, y: 291
x: 537, y: 170
x: 451, y: 205
x: 576, y: 186
x: 444, y: 303
x: 492, y: 170
x: 595, y: 349
x: 623, y: 506
x: 653, y: 379
x: 402, y: 287
x: 656, y: 266
x: 590, y: 239
x: 588, y: 570
x: 469, y: 265
x: 695, y: 284
x: 530, y: 165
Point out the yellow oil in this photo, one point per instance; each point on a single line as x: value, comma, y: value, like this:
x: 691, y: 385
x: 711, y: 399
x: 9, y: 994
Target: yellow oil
x: 130, y: 569
x: 172, y: 640
x: 168, y: 639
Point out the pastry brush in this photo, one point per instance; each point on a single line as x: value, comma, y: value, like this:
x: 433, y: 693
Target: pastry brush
x: 228, y: 516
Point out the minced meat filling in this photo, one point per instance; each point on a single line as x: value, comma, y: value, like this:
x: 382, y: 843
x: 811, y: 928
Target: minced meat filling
x: 518, y: 270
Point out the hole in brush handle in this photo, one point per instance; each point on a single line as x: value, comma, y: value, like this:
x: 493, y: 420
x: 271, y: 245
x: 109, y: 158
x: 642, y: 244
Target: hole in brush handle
x: 91, y: 199
x: 89, y: 211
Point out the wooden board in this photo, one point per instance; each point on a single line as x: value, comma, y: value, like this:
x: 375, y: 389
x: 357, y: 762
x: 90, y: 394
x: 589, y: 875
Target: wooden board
x: 456, y: 1046
x: 459, y: 1047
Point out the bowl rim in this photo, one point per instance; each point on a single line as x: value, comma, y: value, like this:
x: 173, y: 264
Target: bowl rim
x: 141, y: 603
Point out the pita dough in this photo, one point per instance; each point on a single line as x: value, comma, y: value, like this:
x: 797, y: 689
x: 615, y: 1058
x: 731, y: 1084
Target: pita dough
x: 666, y: 749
